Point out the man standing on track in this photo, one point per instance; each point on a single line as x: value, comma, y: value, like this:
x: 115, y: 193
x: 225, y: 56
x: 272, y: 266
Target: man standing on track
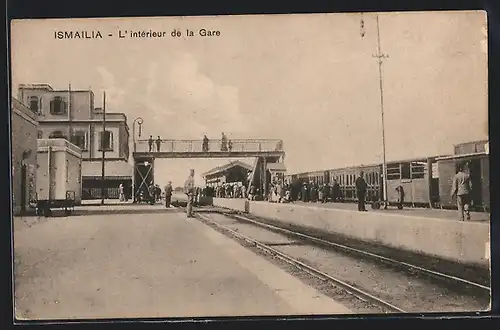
x: 168, y: 194
x: 189, y: 190
x: 462, y: 188
x: 361, y: 191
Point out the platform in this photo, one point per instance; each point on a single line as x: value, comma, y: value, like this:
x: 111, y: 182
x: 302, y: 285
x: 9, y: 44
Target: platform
x: 407, y: 211
x: 429, y: 232
x: 159, y: 265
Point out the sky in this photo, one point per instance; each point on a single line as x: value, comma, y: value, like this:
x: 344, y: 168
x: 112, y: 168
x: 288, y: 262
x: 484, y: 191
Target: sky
x: 310, y: 80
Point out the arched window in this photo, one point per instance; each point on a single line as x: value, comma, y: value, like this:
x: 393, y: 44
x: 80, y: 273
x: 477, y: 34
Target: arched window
x: 57, y: 106
x: 106, y: 141
x: 57, y: 135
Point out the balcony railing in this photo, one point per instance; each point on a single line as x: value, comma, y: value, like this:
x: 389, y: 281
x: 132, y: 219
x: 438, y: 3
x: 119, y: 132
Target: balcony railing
x: 240, y: 145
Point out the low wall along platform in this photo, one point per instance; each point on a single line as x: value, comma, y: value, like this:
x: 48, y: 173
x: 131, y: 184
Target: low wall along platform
x: 460, y: 241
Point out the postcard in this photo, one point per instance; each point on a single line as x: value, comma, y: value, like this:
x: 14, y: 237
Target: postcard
x: 253, y: 165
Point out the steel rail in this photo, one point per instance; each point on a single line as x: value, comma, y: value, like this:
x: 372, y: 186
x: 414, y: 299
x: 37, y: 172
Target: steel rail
x: 365, y: 253
x: 358, y: 293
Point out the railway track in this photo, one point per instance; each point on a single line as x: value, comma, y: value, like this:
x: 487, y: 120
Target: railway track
x: 358, y: 293
x: 394, y: 262
x: 382, y: 299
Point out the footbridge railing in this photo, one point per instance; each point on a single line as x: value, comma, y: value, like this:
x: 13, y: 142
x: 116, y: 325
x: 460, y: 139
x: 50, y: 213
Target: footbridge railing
x: 236, y: 145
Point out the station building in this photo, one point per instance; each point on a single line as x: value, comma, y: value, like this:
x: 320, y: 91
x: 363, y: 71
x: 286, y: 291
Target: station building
x: 71, y: 114
x: 24, y: 126
x: 233, y: 172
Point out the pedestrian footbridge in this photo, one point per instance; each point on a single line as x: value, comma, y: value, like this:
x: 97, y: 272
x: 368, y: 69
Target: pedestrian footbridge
x: 265, y: 152
x: 244, y: 148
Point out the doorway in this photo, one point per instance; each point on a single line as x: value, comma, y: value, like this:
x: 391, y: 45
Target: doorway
x: 474, y: 168
x: 24, y: 188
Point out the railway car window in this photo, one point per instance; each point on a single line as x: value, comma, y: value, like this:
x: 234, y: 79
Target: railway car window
x: 405, y: 170
x: 393, y: 172
x: 418, y: 170
x: 57, y: 106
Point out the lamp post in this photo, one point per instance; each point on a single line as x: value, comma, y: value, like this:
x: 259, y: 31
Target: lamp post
x: 104, y: 145
x: 139, y: 121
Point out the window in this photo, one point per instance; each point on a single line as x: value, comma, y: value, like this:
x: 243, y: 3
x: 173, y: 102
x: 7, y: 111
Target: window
x: 34, y: 105
x: 393, y: 172
x: 418, y: 170
x: 79, y: 171
x: 106, y: 141
x: 40, y: 135
x: 80, y: 140
x: 67, y: 170
x: 57, y: 106
x: 405, y: 171
x: 57, y: 135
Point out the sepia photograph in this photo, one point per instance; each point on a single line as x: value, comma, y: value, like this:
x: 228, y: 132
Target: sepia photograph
x: 250, y: 165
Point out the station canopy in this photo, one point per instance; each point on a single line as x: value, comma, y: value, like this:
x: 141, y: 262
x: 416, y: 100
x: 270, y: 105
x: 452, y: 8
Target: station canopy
x: 276, y: 167
x: 220, y: 170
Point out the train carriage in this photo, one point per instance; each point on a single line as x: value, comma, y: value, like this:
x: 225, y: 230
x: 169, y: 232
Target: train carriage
x: 346, y: 178
x: 426, y: 181
x: 416, y: 179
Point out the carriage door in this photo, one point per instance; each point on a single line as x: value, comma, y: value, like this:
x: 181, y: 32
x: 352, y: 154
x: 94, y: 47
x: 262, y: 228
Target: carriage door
x: 24, y: 187
x: 485, y: 183
x: 474, y: 166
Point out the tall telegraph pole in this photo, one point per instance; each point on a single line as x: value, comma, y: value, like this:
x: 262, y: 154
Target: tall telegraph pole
x: 380, y: 57
x: 103, y: 146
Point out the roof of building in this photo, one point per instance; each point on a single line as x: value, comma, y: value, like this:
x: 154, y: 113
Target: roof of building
x: 116, y: 169
x: 223, y: 168
x: 471, y: 142
x: 58, y: 142
x: 468, y: 155
x: 19, y: 106
x: 48, y: 88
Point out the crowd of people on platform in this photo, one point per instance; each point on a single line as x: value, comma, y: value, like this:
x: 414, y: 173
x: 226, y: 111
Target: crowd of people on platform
x: 279, y: 192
